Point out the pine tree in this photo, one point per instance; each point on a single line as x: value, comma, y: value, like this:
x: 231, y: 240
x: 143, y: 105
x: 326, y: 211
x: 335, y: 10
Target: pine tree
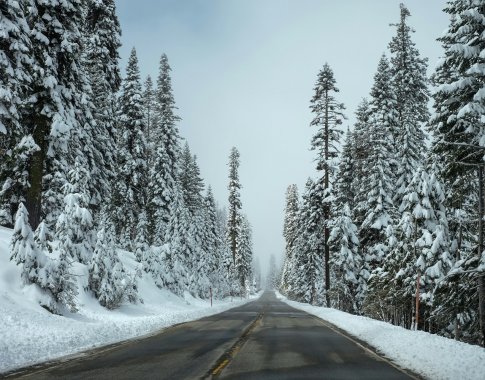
x: 132, y: 178
x: 60, y: 110
x: 164, y: 183
x: 290, y: 229
x: 244, y: 255
x: 102, y: 33
x: 327, y: 118
x: 361, y: 146
x: 307, y: 268
x: 377, y: 208
x: 24, y: 250
x: 344, y: 180
x: 149, y: 107
x: 15, y: 70
x: 458, y: 127
x: 410, y: 84
x: 107, y: 278
x: 234, y: 217
x: 347, y: 263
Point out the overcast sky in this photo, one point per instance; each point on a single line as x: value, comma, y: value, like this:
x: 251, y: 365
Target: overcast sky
x: 243, y: 73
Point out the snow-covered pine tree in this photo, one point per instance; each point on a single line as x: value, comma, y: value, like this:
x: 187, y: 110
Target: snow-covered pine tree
x: 376, y: 208
x: 15, y: 70
x: 306, y: 276
x: 181, y: 247
x: 24, y: 249
x: 361, y: 147
x: 166, y: 155
x: 328, y: 116
x: 344, y: 188
x: 102, y: 35
x: 149, y: 107
x: 59, y: 110
x: 290, y: 229
x: 348, y: 288
x: 131, y: 186
x: 234, y: 215
x: 412, y: 94
x: 244, y: 255
x: 108, y: 280
x: 458, y: 130
x: 212, y: 243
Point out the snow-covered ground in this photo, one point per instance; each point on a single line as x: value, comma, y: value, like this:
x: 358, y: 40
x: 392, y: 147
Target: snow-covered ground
x: 432, y: 356
x: 30, y: 334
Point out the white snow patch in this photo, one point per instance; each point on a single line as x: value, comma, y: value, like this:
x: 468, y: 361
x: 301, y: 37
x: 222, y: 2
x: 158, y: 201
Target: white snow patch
x: 30, y: 334
x: 432, y: 356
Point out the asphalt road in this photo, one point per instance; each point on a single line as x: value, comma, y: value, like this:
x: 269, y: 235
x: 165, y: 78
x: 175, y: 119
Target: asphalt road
x: 264, y: 339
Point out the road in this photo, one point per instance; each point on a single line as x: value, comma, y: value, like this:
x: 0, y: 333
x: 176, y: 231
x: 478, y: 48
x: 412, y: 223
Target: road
x: 264, y: 339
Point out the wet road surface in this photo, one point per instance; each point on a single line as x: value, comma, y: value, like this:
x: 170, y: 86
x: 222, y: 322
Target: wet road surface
x: 264, y: 339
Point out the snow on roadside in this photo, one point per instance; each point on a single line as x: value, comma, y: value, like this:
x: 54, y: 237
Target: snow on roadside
x: 432, y: 356
x: 29, y: 334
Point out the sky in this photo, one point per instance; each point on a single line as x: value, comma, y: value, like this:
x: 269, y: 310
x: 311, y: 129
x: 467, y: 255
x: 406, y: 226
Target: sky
x: 243, y: 73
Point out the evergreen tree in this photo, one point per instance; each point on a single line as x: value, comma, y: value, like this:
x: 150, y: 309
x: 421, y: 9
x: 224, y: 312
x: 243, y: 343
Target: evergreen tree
x: 107, y: 278
x: 244, y: 255
x: 457, y: 127
x: 327, y: 118
x: 102, y: 34
x: 410, y: 84
x: 132, y: 177
x: 290, y: 229
x: 24, y: 250
x: 377, y: 208
x: 234, y: 217
x: 149, y: 107
x: 166, y: 150
x: 344, y: 187
x: 347, y: 263
x: 15, y: 74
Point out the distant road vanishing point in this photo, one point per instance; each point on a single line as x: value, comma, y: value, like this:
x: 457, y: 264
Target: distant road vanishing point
x: 264, y: 339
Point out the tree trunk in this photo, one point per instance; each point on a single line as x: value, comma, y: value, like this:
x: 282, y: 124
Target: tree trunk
x: 33, y: 196
x: 481, y: 287
x: 326, y: 211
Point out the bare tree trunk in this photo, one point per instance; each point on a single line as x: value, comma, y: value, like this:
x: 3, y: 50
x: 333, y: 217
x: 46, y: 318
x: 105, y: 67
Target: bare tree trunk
x: 33, y: 196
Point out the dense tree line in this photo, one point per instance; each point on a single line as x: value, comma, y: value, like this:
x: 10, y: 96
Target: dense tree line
x: 93, y: 165
x: 394, y: 228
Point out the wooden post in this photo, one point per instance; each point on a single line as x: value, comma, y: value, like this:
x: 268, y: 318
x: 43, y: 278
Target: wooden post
x: 211, y: 294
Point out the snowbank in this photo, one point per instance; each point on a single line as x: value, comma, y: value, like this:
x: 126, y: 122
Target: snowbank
x: 429, y: 355
x: 29, y: 334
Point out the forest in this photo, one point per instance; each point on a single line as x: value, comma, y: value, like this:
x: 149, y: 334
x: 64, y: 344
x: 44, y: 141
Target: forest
x: 391, y: 226
x: 93, y: 167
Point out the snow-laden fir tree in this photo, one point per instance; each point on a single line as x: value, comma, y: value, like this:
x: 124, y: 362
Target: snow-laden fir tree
x: 23, y: 248
x: 244, y: 255
x: 327, y: 118
x: 181, y: 248
x: 361, y: 146
x: 102, y: 35
x: 344, y: 180
x: 15, y: 70
x: 273, y: 274
x: 234, y: 214
x: 132, y: 181
x: 306, y: 276
x: 165, y: 143
x: 410, y: 85
x: 149, y: 111
x: 376, y: 208
x: 60, y: 108
x: 290, y: 229
x: 108, y: 281
x: 349, y: 285
x: 458, y: 130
